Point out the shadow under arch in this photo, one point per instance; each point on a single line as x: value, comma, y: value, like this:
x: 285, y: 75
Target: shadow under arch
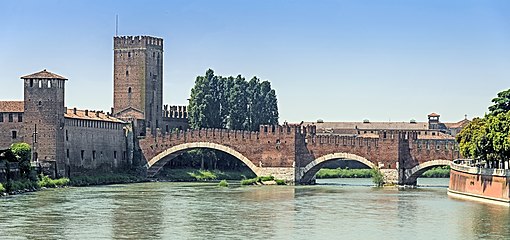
x: 309, y: 171
x: 156, y: 163
x: 411, y: 175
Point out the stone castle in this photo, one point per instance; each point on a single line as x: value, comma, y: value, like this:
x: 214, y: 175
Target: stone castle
x: 69, y: 140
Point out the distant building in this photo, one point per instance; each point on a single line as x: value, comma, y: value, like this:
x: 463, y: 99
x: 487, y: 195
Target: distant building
x: 433, y: 129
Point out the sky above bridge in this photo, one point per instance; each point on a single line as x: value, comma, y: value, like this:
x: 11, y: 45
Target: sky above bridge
x: 333, y: 60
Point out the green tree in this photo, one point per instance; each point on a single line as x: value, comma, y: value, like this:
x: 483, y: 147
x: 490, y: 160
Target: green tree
x: 238, y: 104
x: 501, y: 103
x: 23, y: 153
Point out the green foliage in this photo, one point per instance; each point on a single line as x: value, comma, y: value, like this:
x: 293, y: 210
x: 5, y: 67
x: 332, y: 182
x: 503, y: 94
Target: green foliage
x: 203, y: 175
x: 234, y: 103
x: 23, y: 153
x: 47, y: 182
x: 223, y: 183
x: 437, y: 172
x: 101, y: 179
x: 501, y: 103
x: 20, y: 185
x: 2, y: 189
x: 280, y: 182
x: 377, y: 177
x: 344, y: 173
x: 259, y: 180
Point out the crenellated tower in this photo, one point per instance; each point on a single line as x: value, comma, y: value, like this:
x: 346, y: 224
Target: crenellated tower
x: 138, y: 79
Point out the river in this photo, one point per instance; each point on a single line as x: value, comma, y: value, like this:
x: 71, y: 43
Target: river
x: 333, y: 209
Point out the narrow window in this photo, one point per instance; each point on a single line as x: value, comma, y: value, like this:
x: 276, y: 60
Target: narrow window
x: 166, y: 128
x: 82, y: 154
x: 94, y: 155
x: 129, y: 90
x: 127, y: 72
x: 153, y: 54
x: 67, y: 153
x: 49, y: 83
x: 20, y: 117
x: 40, y: 83
x: 14, y: 134
x: 129, y: 54
x: 67, y: 136
x: 10, y: 117
x: 40, y: 103
x: 1, y: 117
x: 115, y: 155
x: 31, y: 82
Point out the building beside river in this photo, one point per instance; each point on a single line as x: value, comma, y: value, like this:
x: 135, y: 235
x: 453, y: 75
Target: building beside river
x: 70, y: 140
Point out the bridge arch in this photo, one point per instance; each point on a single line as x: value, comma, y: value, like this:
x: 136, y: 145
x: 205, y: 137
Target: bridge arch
x: 411, y: 175
x: 156, y: 163
x: 309, y: 171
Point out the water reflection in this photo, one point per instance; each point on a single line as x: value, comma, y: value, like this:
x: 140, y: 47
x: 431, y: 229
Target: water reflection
x: 346, y: 209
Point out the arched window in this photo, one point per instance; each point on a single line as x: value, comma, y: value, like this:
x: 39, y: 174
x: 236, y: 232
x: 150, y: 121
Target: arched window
x: 129, y: 90
x: 127, y: 72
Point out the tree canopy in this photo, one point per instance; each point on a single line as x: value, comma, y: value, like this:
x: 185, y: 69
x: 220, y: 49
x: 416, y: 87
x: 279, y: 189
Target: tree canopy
x: 488, y: 138
x: 232, y: 102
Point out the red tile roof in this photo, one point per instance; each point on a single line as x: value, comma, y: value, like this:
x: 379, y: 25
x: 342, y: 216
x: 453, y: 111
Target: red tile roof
x: 44, y: 75
x: 434, y: 115
x: 12, y: 106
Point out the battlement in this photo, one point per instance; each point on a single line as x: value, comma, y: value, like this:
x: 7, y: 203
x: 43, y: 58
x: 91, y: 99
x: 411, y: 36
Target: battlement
x: 121, y: 42
x: 175, y: 111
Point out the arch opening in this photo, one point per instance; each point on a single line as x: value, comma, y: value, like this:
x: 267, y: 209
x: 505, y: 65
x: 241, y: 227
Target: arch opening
x: 157, y: 163
x: 309, y: 171
x: 412, y: 175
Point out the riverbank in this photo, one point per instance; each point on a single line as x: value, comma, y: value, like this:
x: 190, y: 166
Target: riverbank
x: 194, y: 175
x: 437, y: 172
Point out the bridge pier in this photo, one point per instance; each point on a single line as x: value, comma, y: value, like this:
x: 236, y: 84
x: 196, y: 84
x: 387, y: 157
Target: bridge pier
x: 285, y: 173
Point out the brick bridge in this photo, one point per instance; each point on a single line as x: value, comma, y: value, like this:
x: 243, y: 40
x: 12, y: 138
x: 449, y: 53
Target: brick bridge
x: 295, y: 153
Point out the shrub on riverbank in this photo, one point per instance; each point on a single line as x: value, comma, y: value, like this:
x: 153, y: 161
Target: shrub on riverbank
x: 2, y: 189
x: 20, y: 185
x: 437, y: 172
x: 101, y: 179
x: 223, y: 183
x: 47, y: 182
x: 344, y: 173
x: 260, y: 180
x: 377, y: 177
x: 191, y: 174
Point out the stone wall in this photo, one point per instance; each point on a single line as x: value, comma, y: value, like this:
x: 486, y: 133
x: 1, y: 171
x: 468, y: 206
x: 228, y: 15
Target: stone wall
x: 95, y: 145
x: 7, y: 128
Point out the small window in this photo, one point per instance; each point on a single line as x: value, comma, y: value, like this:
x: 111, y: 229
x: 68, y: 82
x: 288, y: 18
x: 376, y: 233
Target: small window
x: 67, y: 136
x: 40, y: 83
x: 67, y: 153
x: 129, y: 54
x: 94, y: 155
x: 14, y: 134
x: 31, y: 82
x: 11, y: 118
x: 153, y: 54
x: 49, y: 83
x: 82, y: 154
x: 114, y: 154
x: 20, y: 117
x: 40, y: 103
x: 129, y: 90
x: 1, y: 117
x: 127, y: 72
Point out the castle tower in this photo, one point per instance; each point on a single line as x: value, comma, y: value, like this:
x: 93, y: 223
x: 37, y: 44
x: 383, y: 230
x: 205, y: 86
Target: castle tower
x: 138, y: 79
x: 44, y: 117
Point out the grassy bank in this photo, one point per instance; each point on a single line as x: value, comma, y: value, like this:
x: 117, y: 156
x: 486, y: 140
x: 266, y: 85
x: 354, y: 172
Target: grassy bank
x: 344, y: 173
x: 261, y: 179
x: 2, y: 189
x: 191, y: 175
x: 437, y: 172
x: 105, y: 178
x: 27, y: 185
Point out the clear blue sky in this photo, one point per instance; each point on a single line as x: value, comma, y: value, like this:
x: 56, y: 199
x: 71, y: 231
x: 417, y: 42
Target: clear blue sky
x: 333, y: 60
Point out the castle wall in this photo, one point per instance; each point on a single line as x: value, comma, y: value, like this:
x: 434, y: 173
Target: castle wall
x: 7, y: 137
x: 94, y: 145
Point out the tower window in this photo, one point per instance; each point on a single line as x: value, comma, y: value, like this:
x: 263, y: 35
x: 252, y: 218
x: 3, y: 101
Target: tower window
x: 67, y: 153
x: 82, y: 154
x: 1, y: 117
x: 94, y: 155
x: 20, y: 117
x: 153, y: 54
x: 49, y: 83
x: 129, y: 90
x: 127, y: 73
x: 31, y: 82
x: 10, y: 117
x: 114, y: 154
x: 129, y: 54
x: 67, y: 136
x: 40, y: 83
x: 14, y: 134
x: 40, y: 103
